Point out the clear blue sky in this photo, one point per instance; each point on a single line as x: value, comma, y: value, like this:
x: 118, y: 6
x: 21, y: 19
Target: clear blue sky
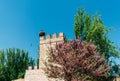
x: 21, y: 20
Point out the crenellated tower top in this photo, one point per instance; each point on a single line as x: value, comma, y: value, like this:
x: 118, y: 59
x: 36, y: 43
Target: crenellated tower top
x: 48, y: 41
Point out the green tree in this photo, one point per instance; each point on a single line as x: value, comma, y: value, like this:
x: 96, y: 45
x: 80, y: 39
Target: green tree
x: 2, y: 67
x: 91, y: 28
x: 13, y: 63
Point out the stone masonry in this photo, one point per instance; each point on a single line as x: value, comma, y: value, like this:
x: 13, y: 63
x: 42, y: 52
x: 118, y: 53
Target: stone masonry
x: 117, y: 78
x: 37, y: 74
x: 46, y: 43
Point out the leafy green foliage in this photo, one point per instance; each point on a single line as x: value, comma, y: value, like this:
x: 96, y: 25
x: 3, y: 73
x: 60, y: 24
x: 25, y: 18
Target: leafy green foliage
x: 92, y: 29
x: 13, y: 63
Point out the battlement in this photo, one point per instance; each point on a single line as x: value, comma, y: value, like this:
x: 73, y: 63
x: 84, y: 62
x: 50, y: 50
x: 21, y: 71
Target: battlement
x: 51, y: 38
x: 34, y: 68
x: 47, y: 41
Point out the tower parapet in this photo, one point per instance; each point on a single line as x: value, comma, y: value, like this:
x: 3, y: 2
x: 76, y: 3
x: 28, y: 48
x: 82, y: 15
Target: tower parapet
x: 32, y: 68
x: 46, y: 42
x: 52, y: 39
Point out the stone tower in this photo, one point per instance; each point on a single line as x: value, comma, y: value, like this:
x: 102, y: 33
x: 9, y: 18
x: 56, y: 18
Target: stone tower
x: 35, y: 74
x: 46, y: 42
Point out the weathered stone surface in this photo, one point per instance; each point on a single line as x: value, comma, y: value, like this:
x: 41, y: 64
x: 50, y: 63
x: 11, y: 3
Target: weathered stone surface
x: 35, y: 75
x: 19, y: 80
x: 116, y: 78
x: 46, y: 43
x: 38, y: 74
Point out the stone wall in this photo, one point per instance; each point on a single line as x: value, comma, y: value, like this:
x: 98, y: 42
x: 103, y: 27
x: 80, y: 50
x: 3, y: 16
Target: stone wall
x: 46, y: 43
x: 116, y: 78
x: 19, y: 80
x: 35, y: 75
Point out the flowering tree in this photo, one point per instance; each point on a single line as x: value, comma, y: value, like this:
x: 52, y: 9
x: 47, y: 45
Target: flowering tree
x: 76, y: 61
